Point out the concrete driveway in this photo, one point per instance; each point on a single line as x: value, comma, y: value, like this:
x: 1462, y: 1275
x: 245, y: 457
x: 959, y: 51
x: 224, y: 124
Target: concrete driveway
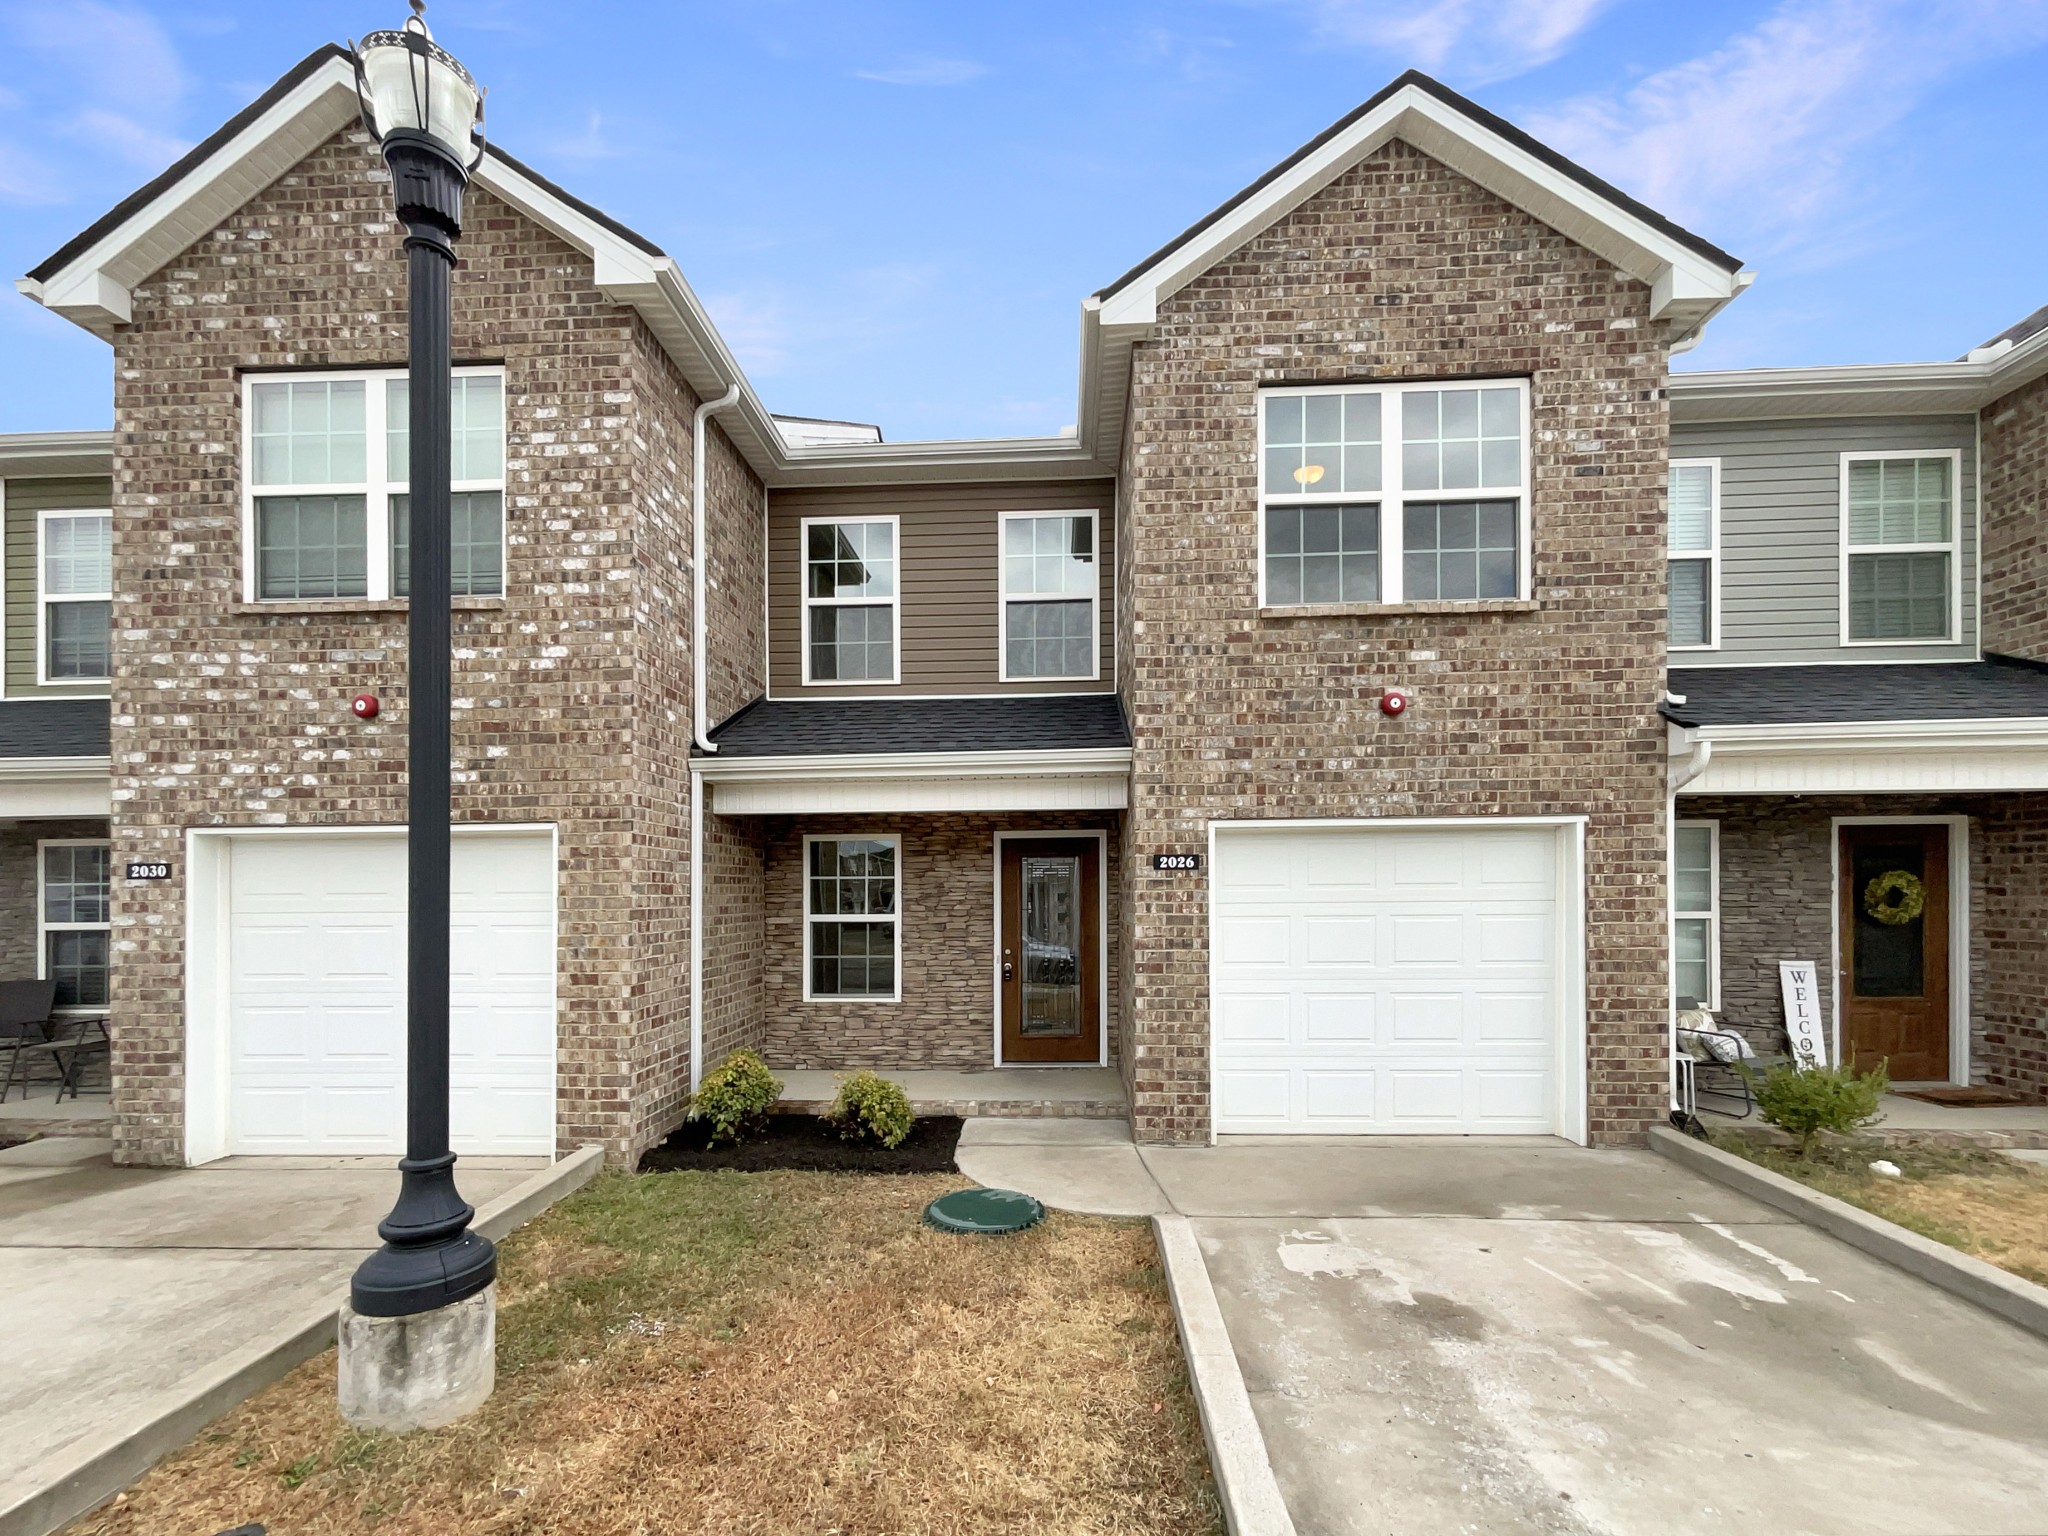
x: 1500, y: 1337
x: 118, y: 1284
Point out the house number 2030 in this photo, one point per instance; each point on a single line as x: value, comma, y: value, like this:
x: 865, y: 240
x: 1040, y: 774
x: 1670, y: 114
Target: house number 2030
x: 1176, y: 861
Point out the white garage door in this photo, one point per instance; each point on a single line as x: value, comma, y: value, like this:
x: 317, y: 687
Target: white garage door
x: 1386, y: 980
x: 316, y: 1006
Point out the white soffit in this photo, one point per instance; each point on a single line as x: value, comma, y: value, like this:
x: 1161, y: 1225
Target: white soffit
x: 1903, y: 757
x: 1687, y: 286
x: 1878, y: 389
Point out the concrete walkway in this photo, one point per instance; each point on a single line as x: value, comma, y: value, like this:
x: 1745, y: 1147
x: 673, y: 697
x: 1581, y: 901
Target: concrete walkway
x: 119, y: 1284
x: 1525, y: 1336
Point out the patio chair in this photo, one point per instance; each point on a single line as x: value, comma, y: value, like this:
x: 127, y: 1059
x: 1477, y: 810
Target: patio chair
x: 31, y: 1033
x: 1715, y: 1062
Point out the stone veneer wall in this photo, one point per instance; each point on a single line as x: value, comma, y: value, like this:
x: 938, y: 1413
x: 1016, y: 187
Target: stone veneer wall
x: 1778, y: 903
x: 227, y: 715
x: 946, y: 1019
x: 2014, y: 483
x: 1400, y: 270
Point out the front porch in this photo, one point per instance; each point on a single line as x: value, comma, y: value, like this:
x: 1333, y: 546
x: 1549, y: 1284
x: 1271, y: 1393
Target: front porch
x: 1073, y: 1093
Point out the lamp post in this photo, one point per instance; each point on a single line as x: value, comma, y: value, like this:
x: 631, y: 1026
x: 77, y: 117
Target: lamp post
x: 426, y: 112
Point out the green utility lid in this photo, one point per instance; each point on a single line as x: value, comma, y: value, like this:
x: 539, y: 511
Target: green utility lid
x: 984, y: 1210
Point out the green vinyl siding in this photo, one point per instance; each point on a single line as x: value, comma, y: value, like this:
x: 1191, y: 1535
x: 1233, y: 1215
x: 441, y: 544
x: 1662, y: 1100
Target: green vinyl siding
x: 25, y: 498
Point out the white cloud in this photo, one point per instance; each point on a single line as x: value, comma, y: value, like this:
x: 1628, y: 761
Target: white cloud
x: 132, y: 141
x: 592, y: 144
x: 1768, y: 132
x: 104, y: 77
x: 925, y: 69
x: 1474, y: 40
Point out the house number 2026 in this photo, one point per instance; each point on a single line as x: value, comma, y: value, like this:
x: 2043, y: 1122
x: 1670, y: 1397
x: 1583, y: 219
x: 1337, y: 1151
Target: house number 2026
x: 1176, y: 861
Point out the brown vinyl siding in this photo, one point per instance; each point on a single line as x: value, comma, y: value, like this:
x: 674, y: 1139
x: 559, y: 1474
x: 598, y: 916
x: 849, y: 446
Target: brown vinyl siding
x: 949, y: 586
x: 26, y: 498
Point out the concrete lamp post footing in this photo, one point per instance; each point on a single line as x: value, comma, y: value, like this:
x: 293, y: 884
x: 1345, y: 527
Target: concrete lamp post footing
x: 421, y: 1371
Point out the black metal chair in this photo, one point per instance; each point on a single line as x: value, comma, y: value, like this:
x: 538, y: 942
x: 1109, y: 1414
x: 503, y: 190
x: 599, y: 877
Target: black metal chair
x: 1715, y: 1064
x: 31, y: 1032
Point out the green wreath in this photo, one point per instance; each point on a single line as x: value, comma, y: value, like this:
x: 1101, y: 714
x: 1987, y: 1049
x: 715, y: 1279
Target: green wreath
x: 1895, y: 897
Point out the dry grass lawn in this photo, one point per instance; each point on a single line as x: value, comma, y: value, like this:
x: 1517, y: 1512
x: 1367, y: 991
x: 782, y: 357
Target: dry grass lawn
x: 742, y: 1353
x: 1991, y: 1206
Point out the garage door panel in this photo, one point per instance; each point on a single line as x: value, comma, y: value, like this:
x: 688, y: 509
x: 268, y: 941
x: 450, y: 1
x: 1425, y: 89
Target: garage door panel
x: 1382, y: 981
x: 316, y: 973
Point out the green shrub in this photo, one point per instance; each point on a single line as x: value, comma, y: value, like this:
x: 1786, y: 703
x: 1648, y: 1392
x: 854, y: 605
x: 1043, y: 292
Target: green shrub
x: 1819, y: 1099
x: 735, y: 1096
x: 868, y: 1107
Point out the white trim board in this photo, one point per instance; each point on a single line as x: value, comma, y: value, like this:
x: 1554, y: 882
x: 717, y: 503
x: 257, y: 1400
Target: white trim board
x: 1573, y: 1064
x: 1102, y: 922
x: 1958, y: 930
x: 1879, y: 757
x: 1089, y: 779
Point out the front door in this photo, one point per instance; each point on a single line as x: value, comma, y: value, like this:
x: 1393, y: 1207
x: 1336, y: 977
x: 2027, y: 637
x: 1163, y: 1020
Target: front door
x: 1894, y: 963
x: 1049, y: 947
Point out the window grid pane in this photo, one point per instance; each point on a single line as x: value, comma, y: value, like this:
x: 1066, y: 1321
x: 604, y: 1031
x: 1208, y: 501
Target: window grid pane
x: 78, y: 556
x: 311, y: 546
x: 1457, y: 550
x: 848, y: 560
x: 1898, y: 501
x: 80, y: 639
x: 1322, y: 554
x: 1898, y: 597
x: 1692, y: 611
x: 1691, y: 527
x: 75, y: 883
x: 1461, y: 439
x: 77, y: 961
x: 476, y: 529
x: 853, y: 644
x: 1693, y: 869
x: 1048, y: 557
x: 1691, y: 971
x: 1049, y: 639
x: 309, y: 432
x: 857, y: 877
x: 1320, y: 444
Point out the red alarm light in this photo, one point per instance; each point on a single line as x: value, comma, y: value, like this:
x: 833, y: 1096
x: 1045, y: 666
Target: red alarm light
x: 364, y: 706
x: 1393, y: 703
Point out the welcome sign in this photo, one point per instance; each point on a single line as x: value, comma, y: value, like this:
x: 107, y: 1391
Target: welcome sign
x: 1799, y: 980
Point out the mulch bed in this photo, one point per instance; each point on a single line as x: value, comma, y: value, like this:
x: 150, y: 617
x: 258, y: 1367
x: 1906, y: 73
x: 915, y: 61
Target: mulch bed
x: 806, y: 1143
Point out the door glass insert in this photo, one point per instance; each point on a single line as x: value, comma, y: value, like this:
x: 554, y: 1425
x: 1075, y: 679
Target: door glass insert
x: 1889, y: 893
x: 1051, y: 992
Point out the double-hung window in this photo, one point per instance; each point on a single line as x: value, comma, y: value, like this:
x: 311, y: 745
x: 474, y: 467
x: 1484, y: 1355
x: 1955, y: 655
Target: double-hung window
x: 1696, y: 911
x: 1050, y: 585
x: 1393, y: 493
x: 1693, y: 524
x: 75, y: 571
x: 850, y: 600
x: 326, y: 470
x: 73, y: 918
x: 853, y: 926
x: 1899, y: 555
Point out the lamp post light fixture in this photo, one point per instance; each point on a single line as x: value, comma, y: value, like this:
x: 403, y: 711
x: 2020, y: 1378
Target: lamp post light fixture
x: 427, y: 114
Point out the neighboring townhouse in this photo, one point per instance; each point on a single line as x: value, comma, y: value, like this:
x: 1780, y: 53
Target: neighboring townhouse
x: 1289, y: 736
x: 1859, y: 678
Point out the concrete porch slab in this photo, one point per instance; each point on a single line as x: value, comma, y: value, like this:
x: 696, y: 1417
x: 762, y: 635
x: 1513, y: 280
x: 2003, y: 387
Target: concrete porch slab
x: 1071, y: 1165
x: 1040, y: 1092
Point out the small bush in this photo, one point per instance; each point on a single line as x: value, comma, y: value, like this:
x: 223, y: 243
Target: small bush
x: 868, y: 1107
x: 736, y: 1096
x: 1819, y: 1099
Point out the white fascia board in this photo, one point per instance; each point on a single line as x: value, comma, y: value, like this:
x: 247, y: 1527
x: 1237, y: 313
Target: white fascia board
x: 95, y: 288
x: 1686, y: 285
x: 55, y: 768
x: 1861, y: 389
x: 38, y: 787
x: 925, y: 765
x: 36, y: 454
x: 1943, y: 736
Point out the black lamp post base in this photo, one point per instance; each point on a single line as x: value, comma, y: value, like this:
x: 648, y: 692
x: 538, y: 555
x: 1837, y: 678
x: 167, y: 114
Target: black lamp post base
x: 430, y: 1257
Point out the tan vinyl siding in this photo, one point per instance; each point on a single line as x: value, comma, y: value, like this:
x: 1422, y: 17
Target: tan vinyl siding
x: 25, y: 498
x: 950, y: 585
x: 1781, y: 533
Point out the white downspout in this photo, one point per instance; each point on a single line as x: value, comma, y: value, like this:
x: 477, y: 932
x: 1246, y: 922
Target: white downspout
x: 700, y: 724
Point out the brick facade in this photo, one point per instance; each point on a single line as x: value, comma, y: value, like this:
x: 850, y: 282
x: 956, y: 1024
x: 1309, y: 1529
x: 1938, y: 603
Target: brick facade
x: 1778, y: 903
x: 2015, y: 532
x: 946, y: 1020
x: 1400, y: 270
x: 571, y: 693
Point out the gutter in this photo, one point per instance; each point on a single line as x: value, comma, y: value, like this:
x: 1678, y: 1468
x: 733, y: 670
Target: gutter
x: 914, y: 765
x: 700, y: 724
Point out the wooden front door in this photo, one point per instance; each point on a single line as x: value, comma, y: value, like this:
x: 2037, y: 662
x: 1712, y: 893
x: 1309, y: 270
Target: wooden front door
x: 1894, y: 963
x: 1050, y: 947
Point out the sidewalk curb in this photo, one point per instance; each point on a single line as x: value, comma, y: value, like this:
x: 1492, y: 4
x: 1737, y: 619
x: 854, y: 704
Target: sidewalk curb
x: 88, y: 1473
x: 2016, y: 1300
x: 1250, y: 1494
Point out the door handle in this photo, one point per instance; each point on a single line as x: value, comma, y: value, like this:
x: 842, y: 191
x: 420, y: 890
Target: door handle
x: 1009, y: 970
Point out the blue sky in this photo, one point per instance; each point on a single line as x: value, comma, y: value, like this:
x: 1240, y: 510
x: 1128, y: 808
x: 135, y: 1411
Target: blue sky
x: 894, y: 210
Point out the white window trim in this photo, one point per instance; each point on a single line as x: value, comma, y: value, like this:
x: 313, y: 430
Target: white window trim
x: 896, y: 918
x: 1004, y: 598
x: 1711, y: 554
x: 45, y: 598
x: 44, y: 927
x: 1712, y: 1002
x: 1953, y: 548
x: 807, y: 602
x: 1393, y: 496
x: 375, y: 491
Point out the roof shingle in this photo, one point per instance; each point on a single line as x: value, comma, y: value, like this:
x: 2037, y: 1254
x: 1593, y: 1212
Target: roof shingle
x: 1996, y: 688
x: 54, y: 728
x: 834, y: 727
